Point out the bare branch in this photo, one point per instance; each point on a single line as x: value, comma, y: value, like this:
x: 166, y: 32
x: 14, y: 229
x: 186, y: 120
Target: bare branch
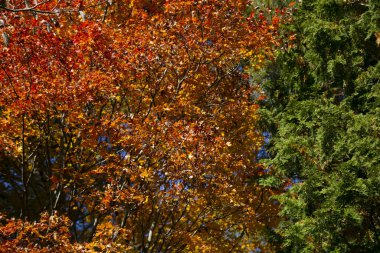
x: 33, y: 8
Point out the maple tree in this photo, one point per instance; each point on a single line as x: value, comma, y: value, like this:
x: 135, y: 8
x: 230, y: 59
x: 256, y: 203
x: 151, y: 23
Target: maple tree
x: 130, y: 126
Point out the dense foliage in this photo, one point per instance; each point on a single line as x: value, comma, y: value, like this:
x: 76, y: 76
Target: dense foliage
x: 323, y: 111
x: 189, y: 126
x: 129, y: 126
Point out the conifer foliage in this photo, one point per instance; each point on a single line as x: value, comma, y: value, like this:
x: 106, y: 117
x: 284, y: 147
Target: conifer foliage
x: 322, y: 108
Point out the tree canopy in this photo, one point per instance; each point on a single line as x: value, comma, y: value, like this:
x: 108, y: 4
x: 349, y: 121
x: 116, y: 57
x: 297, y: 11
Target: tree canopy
x: 189, y: 126
x: 322, y: 108
x: 129, y: 126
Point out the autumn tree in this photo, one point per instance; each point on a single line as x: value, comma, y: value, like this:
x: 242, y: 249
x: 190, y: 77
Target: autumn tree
x: 322, y: 110
x: 130, y: 126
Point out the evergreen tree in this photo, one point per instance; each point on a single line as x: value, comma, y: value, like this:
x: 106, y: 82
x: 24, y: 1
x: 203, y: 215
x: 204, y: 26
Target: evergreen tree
x: 323, y: 111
